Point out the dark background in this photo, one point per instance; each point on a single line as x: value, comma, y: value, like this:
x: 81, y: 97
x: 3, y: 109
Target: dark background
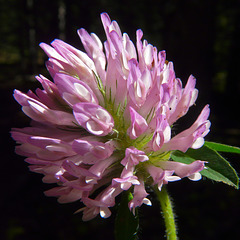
x: 200, y: 37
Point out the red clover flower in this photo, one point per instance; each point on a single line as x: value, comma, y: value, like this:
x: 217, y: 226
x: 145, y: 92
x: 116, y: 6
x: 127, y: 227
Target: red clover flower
x: 104, y: 127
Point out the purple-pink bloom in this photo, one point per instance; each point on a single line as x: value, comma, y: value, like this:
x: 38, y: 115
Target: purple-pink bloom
x: 104, y: 124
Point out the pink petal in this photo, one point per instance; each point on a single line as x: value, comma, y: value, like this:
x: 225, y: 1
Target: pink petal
x: 138, y: 124
x: 133, y: 156
x: 181, y: 169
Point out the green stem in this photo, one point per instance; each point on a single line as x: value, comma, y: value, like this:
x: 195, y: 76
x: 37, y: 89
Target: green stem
x: 167, y: 213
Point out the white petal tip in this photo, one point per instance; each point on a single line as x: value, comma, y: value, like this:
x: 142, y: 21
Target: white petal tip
x: 195, y: 176
x: 147, y: 202
x: 105, y: 212
x: 172, y: 178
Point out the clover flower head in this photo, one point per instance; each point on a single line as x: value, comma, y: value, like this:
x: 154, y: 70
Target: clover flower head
x: 104, y: 124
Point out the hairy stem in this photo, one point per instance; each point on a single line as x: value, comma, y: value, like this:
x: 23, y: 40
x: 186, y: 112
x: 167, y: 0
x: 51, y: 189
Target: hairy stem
x: 167, y: 213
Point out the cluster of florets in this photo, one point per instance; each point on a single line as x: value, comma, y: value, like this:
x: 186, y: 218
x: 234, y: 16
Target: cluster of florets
x: 103, y: 126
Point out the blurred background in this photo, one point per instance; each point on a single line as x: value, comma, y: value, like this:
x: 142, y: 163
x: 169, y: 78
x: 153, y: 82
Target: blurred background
x: 201, y: 37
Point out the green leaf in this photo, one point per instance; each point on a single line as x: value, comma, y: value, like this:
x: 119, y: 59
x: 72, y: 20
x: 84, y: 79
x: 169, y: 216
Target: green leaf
x: 218, y: 168
x: 222, y: 147
x: 126, y: 224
